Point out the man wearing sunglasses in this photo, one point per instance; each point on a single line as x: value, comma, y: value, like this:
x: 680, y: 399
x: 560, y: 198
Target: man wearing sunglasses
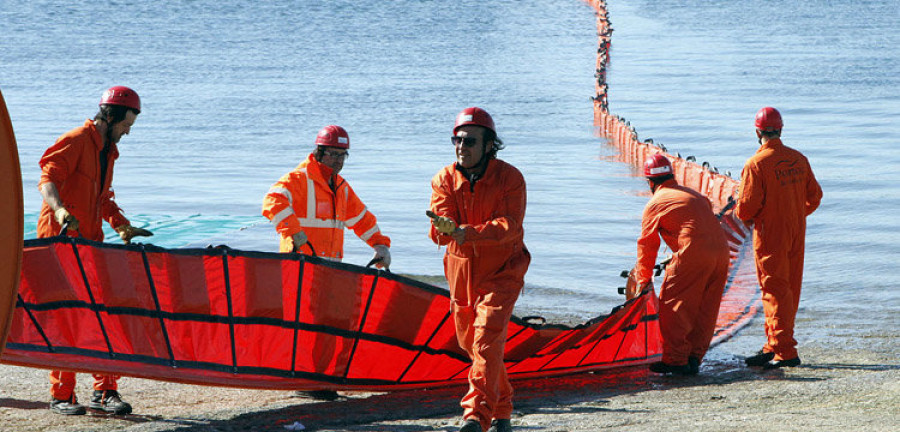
x: 479, y: 204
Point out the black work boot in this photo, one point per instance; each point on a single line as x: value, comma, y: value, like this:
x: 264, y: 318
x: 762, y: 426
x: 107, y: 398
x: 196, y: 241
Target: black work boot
x: 500, y: 425
x: 694, y: 365
x: 109, y: 401
x: 665, y: 368
x: 777, y: 364
x: 67, y: 406
x: 760, y: 359
x: 321, y: 395
x: 471, y: 425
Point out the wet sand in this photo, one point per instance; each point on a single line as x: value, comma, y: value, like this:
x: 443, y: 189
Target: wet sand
x: 854, y: 387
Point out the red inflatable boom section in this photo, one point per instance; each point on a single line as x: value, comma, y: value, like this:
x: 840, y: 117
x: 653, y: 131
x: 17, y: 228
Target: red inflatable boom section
x: 278, y: 321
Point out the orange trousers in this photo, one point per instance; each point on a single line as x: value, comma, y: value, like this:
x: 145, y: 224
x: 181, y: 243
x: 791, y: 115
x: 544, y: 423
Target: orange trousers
x: 780, y: 273
x: 689, y: 305
x: 62, y: 384
x: 481, y: 330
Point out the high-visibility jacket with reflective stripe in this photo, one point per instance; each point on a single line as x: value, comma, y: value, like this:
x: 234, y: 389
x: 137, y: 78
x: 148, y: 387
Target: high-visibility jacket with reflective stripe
x: 302, y: 200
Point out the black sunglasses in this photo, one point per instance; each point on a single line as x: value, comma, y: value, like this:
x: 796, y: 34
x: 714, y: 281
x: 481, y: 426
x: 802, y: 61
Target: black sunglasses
x: 466, y: 141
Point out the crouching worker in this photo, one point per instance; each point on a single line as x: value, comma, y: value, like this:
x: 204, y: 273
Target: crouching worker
x: 479, y: 203
x: 310, y: 207
x: 695, y: 277
x: 76, y: 185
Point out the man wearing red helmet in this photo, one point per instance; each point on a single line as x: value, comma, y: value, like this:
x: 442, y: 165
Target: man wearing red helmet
x: 310, y: 207
x: 479, y: 203
x: 778, y: 191
x: 76, y: 186
x: 691, y: 292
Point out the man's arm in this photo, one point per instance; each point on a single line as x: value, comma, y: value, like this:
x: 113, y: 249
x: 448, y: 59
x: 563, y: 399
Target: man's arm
x: 443, y: 205
x: 647, y: 246
x: 51, y: 196
x: 813, y: 192
x: 751, y: 193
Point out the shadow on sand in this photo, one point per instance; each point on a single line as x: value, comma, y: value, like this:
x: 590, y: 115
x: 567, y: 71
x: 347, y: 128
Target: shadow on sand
x: 589, y: 391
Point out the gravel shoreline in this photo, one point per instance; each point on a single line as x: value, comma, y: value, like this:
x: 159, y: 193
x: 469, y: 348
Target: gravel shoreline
x: 848, y: 389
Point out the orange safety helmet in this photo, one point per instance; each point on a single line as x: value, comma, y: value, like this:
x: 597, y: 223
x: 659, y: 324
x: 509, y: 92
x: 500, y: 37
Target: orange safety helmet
x: 474, y: 116
x: 121, y: 95
x: 768, y: 119
x: 333, y: 136
x: 657, y: 166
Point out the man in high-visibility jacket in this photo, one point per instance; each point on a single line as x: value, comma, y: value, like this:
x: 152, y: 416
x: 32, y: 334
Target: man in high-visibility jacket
x: 310, y: 207
x: 690, y: 295
x: 778, y: 191
x: 76, y: 186
x: 479, y: 203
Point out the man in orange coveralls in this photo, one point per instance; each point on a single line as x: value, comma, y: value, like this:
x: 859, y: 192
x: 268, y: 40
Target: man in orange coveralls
x: 695, y: 277
x: 778, y: 191
x: 479, y: 203
x: 76, y: 185
x: 311, y: 205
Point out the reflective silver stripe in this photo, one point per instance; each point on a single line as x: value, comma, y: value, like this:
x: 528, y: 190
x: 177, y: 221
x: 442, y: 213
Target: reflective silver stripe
x: 310, y: 197
x: 314, y: 222
x: 368, y: 234
x: 281, y: 216
x: 321, y: 223
x: 277, y: 190
x: 352, y: 221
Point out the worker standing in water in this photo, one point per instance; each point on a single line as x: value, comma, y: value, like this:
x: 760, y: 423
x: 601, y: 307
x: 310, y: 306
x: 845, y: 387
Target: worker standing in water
x: 310, y: 207
x: 696, y: 274
x: 76, y: 186
x: 777, y: 192
x: 479, y: 205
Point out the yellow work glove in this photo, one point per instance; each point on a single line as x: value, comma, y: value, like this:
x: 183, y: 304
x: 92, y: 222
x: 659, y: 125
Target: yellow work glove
x: 443, y: 224
x: 62, y: 216
x: 127, y: 232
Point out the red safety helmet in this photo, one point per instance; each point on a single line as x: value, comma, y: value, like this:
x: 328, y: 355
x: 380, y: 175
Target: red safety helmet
x: 768, y: 119
x: 333, y: 136
x: 121, y: 95
x: 657, y: 166
x: 474, y: 116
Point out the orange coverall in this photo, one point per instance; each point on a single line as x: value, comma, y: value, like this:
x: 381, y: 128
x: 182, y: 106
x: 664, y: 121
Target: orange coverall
x: 485, y: 274
x: 695, y: 278
x: 302, y: 200
x: 778, y: 190
x: 73, y: 165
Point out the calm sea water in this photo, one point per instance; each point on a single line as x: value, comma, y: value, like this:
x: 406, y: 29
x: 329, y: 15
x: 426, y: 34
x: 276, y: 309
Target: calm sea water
x: 234, y: 94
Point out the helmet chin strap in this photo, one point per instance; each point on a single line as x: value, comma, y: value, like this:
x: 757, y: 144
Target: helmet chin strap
x: 484, y: 157
x: 477, y: 171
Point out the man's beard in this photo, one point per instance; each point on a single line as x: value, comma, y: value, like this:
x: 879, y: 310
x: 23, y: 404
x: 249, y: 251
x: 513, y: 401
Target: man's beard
x: 109, y: 136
